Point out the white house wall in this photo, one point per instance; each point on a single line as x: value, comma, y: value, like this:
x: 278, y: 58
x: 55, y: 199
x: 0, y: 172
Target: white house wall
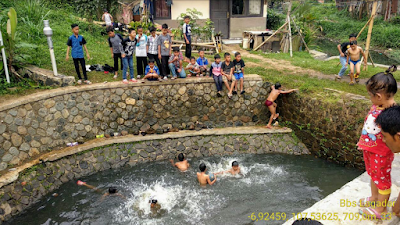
x: 180, y: 6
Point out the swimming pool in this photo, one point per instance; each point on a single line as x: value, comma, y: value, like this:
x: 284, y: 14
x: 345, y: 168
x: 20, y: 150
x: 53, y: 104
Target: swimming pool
x: 270, y: 183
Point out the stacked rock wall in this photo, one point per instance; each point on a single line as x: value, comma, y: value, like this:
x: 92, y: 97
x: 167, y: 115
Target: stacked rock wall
x: 46, y: 121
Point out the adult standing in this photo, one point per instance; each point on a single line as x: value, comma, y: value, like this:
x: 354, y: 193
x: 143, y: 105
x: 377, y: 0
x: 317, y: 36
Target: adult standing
x: 343, y: 58
x: 107, y: 18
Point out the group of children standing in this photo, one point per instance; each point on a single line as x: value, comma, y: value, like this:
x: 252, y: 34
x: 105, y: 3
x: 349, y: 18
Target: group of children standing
x: 157, y: 49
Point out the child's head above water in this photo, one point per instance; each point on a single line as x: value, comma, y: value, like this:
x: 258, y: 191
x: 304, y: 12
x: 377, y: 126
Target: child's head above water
x: 112, y: 190
x: 235, y: 164
x: 382, y: 86
x: 278, y: 86
x: 202, y: 167
x: 181, y: 157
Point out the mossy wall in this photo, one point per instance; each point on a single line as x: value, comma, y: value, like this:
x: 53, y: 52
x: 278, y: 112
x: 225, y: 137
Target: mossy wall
x: 329, y: 124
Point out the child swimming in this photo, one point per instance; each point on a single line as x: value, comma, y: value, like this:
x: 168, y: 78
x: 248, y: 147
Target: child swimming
x: 112, y: 191
x: 234, y: 170
x: 270, y: 102
x: 204, y: 178
x: 182, y: 165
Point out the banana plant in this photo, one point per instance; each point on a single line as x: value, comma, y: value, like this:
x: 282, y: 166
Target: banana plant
x: 11, y: 35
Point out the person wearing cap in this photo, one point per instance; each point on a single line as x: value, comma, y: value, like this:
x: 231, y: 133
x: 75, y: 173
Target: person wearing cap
x: 152, y: 72
x: 107, y: 18
x: 175, y: 64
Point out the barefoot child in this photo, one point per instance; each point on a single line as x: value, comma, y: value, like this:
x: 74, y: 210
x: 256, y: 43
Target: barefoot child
x: 234, y: 170
x: 270, y: 102
x: 377, y: 156
x: 238, y: 72
x: 203, y: 63
x: 203, y: 178
x: 353, y: 58
x: 227, y: 72
x: 182, y: 165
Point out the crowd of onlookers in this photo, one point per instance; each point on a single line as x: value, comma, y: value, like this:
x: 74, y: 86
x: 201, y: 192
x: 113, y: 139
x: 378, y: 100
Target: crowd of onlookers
x: 157, y: 60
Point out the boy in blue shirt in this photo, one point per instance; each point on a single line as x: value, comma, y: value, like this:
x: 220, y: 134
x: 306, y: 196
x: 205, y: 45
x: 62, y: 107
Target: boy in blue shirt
x: 152, y: 72
x: 76, y: 42
x: 187, y: 34
x: 202, y: 62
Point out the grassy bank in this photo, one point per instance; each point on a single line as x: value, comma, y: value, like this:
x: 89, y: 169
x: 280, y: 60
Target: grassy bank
x: 338, y: 25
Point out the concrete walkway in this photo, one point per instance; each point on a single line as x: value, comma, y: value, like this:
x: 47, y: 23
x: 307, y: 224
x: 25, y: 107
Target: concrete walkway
x: 353, y: 191
x: 13, y: 173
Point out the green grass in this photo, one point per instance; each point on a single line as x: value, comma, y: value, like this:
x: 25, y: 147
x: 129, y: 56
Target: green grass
x: 339, y: 24
x: 305, y: 60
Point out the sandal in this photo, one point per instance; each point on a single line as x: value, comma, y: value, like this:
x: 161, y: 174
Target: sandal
x: 115, y: 76
x: 79, y: 82
x: 366, y: 202
x: 87, y: 82
x: 337, y: 77
x: 374, y: 215
x: 351, y: 83
x: 125, y: 81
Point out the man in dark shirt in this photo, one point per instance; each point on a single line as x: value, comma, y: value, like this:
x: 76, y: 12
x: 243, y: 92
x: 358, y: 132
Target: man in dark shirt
x: 343, y: 59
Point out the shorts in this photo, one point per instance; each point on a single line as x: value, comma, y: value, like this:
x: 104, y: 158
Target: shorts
x: 226, y: 79
x: 268, y: 103
x: 238, y: 76
x: 378, y: 168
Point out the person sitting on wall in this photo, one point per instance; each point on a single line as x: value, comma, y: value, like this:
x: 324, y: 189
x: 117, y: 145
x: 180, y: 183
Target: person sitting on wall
x: 112, y: 191
x: 152, y: 72
x: 182, y: 165
x: 175, y: 64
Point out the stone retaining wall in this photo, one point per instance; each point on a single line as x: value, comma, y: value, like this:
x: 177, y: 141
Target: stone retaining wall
x: 46, y: 77
x: 36, y: 181
x: 46, y: 121
x: 331, y: 127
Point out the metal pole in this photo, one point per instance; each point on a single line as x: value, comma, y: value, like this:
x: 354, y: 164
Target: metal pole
x: 290, y: 30
x: 49, y: 32
x: 3, y: 52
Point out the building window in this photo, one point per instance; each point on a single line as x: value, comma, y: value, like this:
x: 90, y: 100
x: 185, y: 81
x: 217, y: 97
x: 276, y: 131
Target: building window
x: 237, y: 7
x: 246, y: 8
x: 254, y: 7
x: 162, y: 10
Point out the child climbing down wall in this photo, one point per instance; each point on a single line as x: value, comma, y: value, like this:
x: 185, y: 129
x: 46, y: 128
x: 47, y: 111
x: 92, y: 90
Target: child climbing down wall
x: 377, y: 156
x: 353, y: 58
x: 270, y: 102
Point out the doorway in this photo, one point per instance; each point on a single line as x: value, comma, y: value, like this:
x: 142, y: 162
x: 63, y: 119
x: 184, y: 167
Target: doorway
x: 219, y: 14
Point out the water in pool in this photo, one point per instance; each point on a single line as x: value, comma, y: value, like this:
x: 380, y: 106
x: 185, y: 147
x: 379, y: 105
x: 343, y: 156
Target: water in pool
x: 270, y: 183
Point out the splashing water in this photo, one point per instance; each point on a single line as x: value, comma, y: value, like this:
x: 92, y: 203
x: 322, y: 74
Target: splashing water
x: 267, y: 183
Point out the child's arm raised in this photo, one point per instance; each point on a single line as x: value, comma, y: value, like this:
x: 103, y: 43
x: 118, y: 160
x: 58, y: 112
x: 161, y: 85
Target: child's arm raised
x: 172, y: 162
x: 290, y: 91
